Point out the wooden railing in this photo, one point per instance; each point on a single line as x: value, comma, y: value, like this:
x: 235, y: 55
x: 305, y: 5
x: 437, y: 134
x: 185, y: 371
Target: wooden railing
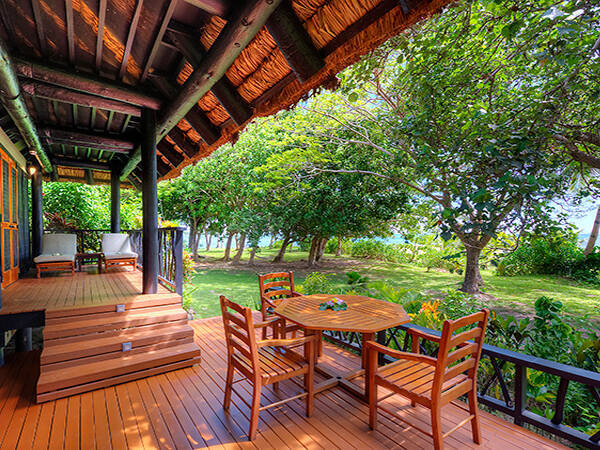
x: 510, y: 401
x: 170, y: 251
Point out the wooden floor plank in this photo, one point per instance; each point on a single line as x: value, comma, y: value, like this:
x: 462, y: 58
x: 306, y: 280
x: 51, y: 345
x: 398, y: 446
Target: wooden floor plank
x: 183, y: 409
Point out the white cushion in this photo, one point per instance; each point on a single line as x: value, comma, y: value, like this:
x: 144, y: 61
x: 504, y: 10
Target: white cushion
x: 120, y: 255
x: 53, y: 258
x: 116, y: 243
x: 59, y: 243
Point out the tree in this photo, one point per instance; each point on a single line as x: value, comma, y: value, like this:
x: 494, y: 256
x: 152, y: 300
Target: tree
x: 464, y: 108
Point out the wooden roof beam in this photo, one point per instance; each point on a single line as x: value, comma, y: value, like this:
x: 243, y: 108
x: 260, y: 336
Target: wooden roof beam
x: 100, y: 38
x: 196, y: 117
x: 81, y: 164
x: 88, y: 84
x: 215, y: 7
x: 130, y: 36
x: 158, y: 39
x: 294, y: 42
x: 234, y: 37
x: 173, y: 156
x: 179, y: 137
x: 94, y: 140
x: 223, y: 90
x: 55, y: 93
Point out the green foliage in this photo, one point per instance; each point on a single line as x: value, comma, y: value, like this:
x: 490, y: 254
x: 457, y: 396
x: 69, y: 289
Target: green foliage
x: 356, y: 279
x: 557, y: 253
x: 332, y: 246
x: 82, y: 206
x: 375, y: 249
x: 316, y: 283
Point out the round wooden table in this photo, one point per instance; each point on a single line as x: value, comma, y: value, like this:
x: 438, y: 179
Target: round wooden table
x: 364, y: 315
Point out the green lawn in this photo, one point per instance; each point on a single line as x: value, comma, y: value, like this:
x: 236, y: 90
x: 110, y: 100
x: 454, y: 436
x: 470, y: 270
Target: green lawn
x: 508, y: 294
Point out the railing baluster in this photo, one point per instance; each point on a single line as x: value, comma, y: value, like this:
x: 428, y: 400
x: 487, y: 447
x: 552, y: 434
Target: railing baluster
x: 520, y: 393
x: 561, y: 395
x: 178, y: 260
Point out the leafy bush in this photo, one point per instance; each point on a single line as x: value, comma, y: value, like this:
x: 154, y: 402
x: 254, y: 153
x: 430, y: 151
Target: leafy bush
x: 556, y: 254
x: 375, y: 249
x: 332, y: 245
x: 316, y: 283
x: 356, y: 279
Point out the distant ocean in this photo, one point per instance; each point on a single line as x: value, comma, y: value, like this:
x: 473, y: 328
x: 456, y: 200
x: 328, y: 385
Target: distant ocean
x: 395, y: 239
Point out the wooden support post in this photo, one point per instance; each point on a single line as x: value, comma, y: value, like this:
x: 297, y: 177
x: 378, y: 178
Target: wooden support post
x: 115, y: 199
x: 178, y: 256
x: 23, y: 340
x: 37, y: 224
x: 149, y: 203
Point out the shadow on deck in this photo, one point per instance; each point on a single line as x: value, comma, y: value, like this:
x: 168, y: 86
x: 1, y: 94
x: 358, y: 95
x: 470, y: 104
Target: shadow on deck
x: 182, y: 409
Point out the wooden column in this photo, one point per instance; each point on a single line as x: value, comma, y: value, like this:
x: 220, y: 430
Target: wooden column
x: 115, y: 199
x: 149, y: 203
x: 37, y: 224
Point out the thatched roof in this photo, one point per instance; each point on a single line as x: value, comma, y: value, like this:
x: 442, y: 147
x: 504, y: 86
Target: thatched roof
x: 145, y: 52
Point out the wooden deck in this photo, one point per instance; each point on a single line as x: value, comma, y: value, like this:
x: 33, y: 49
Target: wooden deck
x: 61, y: 291
x: 182, y: 409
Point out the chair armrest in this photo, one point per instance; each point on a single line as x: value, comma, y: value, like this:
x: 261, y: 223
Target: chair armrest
x: 268, y: 322
x: 374, y: 346
x: 423, y: 335
x: 296, y: 294
x: 287, y: 342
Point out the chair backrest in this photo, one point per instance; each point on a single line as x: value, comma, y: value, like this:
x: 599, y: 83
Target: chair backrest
x: 116, y: 243
x: 276, y: 286
x: 240, y: 336
x: 59, y: 243
x: 459, y: 352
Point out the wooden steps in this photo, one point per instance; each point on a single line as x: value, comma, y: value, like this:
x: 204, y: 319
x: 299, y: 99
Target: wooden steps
x: 99, y: 346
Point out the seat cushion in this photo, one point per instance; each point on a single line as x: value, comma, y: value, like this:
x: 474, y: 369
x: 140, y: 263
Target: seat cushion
x: 414, y: 379
x: 121, y: 255
x: 53, y: 258
x: 116, y: 243
x: 63, y: 243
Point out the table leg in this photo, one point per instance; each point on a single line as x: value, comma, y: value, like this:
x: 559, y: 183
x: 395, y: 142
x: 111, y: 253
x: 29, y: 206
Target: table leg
x: 365, y: 362
x: 312, y: 333
x: 99, y: 264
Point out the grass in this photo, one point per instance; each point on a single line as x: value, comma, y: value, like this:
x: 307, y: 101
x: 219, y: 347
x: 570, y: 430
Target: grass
x: 513, y: 295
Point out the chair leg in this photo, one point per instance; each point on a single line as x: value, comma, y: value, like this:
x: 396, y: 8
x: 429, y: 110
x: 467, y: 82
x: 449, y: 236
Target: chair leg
x: 372, y: 388
x: 436, y: 427
x: 309, y: 383
x: 38, y: 271
x: 474, y: 410
x: 255, y: 410
x: 228, y: 386
x: 320, y: 344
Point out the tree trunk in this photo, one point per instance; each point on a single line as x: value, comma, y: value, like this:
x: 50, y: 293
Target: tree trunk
x: 208, y: 239
x: 314, y: 251
x: 589, y: 248
x: 241, y: 244
x: 192, y: 236
x: 321, y: 248
x: 195, y: 245
x: 252, y: 254
x: 338, y: 251
x: 237, y: 242
x: 284, y: 245
x: 473, y: 280
x: 226, y: 256
x: 272, y: 241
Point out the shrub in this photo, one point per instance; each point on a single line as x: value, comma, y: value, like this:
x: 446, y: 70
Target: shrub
x: 556, y: 254
x: 376, y: 249
x: 332, y: 245
x: 316, y: 283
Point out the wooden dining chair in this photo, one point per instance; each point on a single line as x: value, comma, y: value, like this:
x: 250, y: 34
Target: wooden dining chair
x: 432, y: 382
x: 264, y: 362
x: 273, y: 288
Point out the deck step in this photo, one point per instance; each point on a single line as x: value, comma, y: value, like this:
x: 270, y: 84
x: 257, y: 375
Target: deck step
x: 101, y: 344
x: 103, y: 347
x: 85, y: 325
x: 52, y: 380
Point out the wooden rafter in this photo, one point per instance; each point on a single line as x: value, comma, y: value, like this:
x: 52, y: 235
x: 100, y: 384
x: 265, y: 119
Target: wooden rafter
x: 80, y: 164
x: 95, y: 140
x: 215, y: 7
x: 294, y: 42
x: 130, y: 37
x: 39, y: 26
x: 157, y: 40
x: 173, y: 156
x: 70, y: 30
x: 60, y: 94
x: 84, y: 83
x: 179, y: 137
x: 100, y: 39
x: 223, y: 90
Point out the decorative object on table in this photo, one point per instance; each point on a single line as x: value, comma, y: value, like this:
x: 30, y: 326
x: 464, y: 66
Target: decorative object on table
x: 443, y: 379
x: 264, y: 362
x: 335, y: 304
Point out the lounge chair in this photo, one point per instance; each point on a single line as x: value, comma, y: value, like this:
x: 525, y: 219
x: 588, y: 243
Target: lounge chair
x: 58, y: 253
x: 117, y: 250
